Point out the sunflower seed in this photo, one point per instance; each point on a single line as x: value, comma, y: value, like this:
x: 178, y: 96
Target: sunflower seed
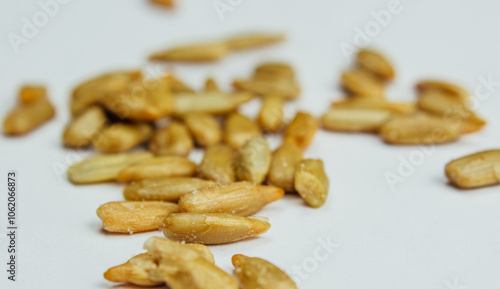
x: 253, y: 160
x: 120, y: 137
x: 84, y: 127
x: 284, y: 163
x: 271, y: 113
x: 253, y: 40
x: 217, y: 164
x: 208, y: 102
x: 266, y: 86
x: 476, y: 170
x: 311, y: 182
x: 164, y: 189
x: 158, y: 167
x: 31, y: 93
x: 376, y: 103
x: 445, y: 87
x: 376, y: 63
x: 200, y: 52
x: 355, y: 120
x: 301, y: 130
x: 238, y: 129
x: 174, y: 140
x: 204, y: 127
x: 362, y: 83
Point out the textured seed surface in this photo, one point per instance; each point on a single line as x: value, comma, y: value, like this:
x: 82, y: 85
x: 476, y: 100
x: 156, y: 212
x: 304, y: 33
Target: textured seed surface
x: 193, y: 53
x: 204, y: 127
x: 265, y: 86
x: 418, y: 129
x: 238, y: 129
x: 89, y: 92
x: 164, y: 189
x: 158, y: 167
x: 253, y: 160
x: 363, y: 83
x: 376, y: 63
x: 173, y: 140
x: 142, y: 100
x: 181, y: 267
x: 257, y: 273
x: 208, y: 102
x: 212, y: 228
x: 130, y: 216
x: 476, y: 170
x: 218, y: 164
x: 28, y: 116
x: 451, y: 109
x: 102, y: 168
x: 445, y: 87
x: 84, y: 127
x: 240, y: 198
x: 355, y: 120
x: 376, y: 103
x: 311, y: 182
x: 301, y: 130
x: 284, y: 163
x: 271, y: 113
x: 253, y: 40
x: 120, y: 137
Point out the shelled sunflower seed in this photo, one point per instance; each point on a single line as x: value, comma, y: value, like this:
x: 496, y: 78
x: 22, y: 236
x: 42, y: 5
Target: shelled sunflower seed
x: 476, y: 170
x: 218, y: 164
x: 164, y: 189
x: 238, y: 129
x: 172, y: 140
x: 158, y: 167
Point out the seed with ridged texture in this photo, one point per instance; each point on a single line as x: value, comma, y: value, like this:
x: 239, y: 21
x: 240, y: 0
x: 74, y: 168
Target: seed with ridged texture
x: 208, y: 102
x: 172, y: 140
x: 476, y: 170
x: 158, y: 167
x: 84, y: 127
x: 29, y: 114
x: 241, y: 198
x: 301, y: 130
x: 419, y: 129
x: 271, y: 113
x: 253, y: 40
x: 130, y: 216
x: 311, y: 182
x: 164, y: 189
x: 89, y: 92
x: 257, y: 273
x: 376, y: 103
x: 445, y: 87
x: 362, y: 83
x: 204, y: 127
x: 193, y: 53
x: 376, y: 63
x: 218, y: 164
x: 238, y: 129
x: 355, y: 120
x: 120, y: 137
x: 253, y: 160
x: 102, y: 168
x: 181, y: 267
x: 284, y: 163
x: 212, y: 228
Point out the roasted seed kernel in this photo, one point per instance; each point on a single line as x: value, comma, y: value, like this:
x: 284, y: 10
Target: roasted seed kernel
x: 238, y: 129
x: 476, y: 170
x: 212, y: 228
x: 218, y: 164
x: 120, y: 137
x: 445, y: 87
x: 240, y: 198
x: 257, y: 273
x: 375, y: 103
x: 284, y: 163
x: 84, y: 127
x: 376, y: 63
x: 193, y: 53
x: 301, y: 130
x: 271, y: 113
x: 208, y: 102
x: 363, y: 83
x: 204, y: 127
x: 158, y: 167
x: 311, y: 182
x: 164, y: 189
x: 130, y: 217
x: 355, y: 120
x: 173, y: 140
x: 253, y: 40
x: 253, y: 160
x: 265, y: 86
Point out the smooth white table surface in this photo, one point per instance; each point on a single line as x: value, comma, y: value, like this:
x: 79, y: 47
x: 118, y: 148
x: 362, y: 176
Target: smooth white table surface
x: 422, y: 234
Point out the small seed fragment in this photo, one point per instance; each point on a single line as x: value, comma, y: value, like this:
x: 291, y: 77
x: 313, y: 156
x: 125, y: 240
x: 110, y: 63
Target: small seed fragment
x: 376, y: 103
x: 173, y: 140
x: 164, y: 189
x: 240, y: 198
x: 102, y: 168
x: 28, y: 115
x: 301, y: 130
x: 418, y: 129
x: 204, y: 127
x: 253, y: 40
x: 89, y: 92
x: 257, y: 273
x: 158, y: 167
x: 355, y: 120
x: 445, y: 87
x: 120, y: 137
x: 130, y: 216
x: 476, y: 170
x: 271, y: 113
x: 211, y: 85
x: 284, y: 163
x: 181, y: 267
x: 193, y: 53
x: 238, y: 129
x: 84, y: 127
x: 253, y: 160
x: 212, y: 228
x: 376, y: 63
x: 363, y: 83
x: 311, y: 182
x: 208, y: 102
x: 217, y: 164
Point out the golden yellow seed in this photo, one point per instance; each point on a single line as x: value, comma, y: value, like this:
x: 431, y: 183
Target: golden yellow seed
x: 164, y: 3
x: 158, y: 167
x: 32, y: 93
x: 376, y: 63
x: 173, y: 140
x: 80, y: 131
x: 253, y: 40
x: 164, y: 189
x: 204, y: 127
x: 355, y: 120
x: 28, y: 116
x: 200, y: 52
x: 177, y: 85
x: 120, y: 137
x: 311, y: 182
x: 238, y: 129
x: 476, y: 170
x: 363, y: 83
x: 287, y: 88
x: 284, y: 163
x: 271, y: 113
x: 218, y: 164
x: 301, y: 130
x: 208, y: 102
x: 376, y: 103
x: 253, y: 160
x: 445, y: 87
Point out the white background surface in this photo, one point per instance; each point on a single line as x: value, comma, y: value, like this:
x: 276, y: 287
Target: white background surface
x: 424, y: 234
